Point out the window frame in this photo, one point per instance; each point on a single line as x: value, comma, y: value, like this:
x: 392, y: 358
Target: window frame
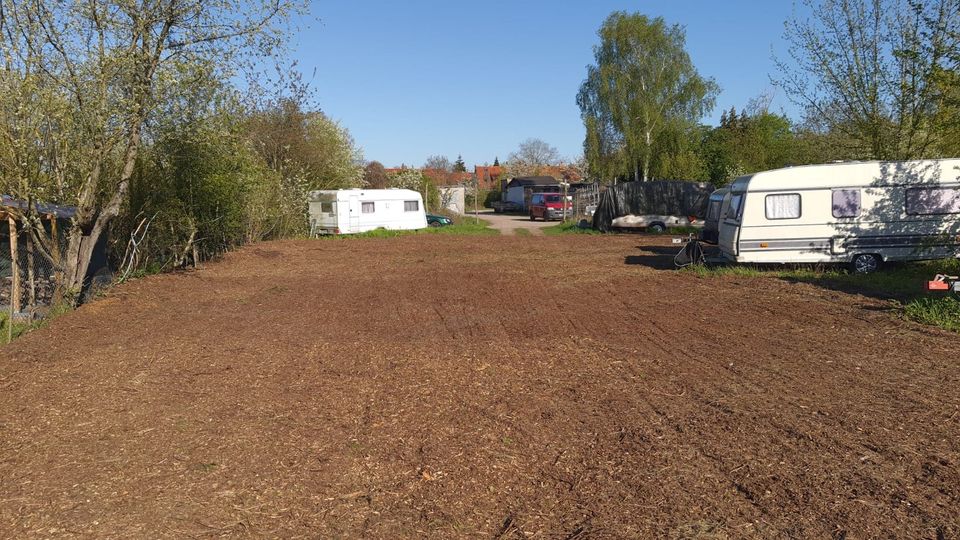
x: 859, y: 203
x: 363, y: 207
x: 766, y: 208
x: 737, y: 208
x: 906, y: 201
x: 416, y: 205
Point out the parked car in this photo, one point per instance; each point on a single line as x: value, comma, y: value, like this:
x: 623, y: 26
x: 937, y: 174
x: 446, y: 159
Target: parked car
x: 434, y: 220
x: 549, y: 206
x: 505, y: 206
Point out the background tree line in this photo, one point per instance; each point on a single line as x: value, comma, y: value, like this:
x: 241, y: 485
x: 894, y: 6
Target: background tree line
x: 874, y: 79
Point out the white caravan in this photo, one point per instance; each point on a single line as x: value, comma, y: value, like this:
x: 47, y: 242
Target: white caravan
x: 348, y: 211
x: 861, y: 213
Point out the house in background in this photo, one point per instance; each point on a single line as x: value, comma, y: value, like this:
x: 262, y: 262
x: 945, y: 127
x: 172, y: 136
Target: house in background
x: 488, y: 176
x: 519, y: 190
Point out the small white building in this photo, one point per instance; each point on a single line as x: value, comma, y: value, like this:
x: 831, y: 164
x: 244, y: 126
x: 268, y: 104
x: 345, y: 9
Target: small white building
x: 348, y: 211
x: 453, y: 198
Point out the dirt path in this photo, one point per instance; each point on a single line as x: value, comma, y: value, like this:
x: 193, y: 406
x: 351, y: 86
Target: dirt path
x: 442, y: 386
x: 508, y: 224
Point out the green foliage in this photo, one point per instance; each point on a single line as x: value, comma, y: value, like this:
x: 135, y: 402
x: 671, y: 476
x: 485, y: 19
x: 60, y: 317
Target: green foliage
x: 943, y: 312
x: 305, y: 144
x: 459, y: 165
x: 201, y: 185
x: 643, y: 87
x: 745, y: 144
x: 491, y: 197
x: 464, y: 225
x: 569, y: 227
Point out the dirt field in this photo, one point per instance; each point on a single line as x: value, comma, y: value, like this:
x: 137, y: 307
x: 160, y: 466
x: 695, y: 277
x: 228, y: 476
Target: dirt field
x: 490, y: 387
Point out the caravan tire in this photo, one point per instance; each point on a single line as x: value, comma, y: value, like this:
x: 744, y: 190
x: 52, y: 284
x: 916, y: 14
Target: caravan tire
x: 657, y: 228
x: 865, y: 263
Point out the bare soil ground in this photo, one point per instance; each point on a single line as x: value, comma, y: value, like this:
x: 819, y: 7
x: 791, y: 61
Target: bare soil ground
x: 508, y: 224
x: 491, y: 387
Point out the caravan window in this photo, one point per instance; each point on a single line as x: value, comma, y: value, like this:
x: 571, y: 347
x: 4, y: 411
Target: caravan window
x: 367, y: 208
x: 932, y: 201
x: 733, y: 212
x: 783, y: 206
x: 846, y: 203
x: 411, y: 206
x: 713, y: 210
x: 326, y: 207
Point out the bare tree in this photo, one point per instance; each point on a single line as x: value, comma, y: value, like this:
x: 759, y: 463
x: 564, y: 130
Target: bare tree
x: 531, y: 158
x: 439, y: 164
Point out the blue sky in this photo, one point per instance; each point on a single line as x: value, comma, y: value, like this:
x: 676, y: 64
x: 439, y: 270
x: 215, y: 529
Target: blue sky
x: 414, y: 78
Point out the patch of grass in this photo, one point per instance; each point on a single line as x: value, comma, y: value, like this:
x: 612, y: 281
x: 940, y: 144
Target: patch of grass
x: 943, y: 312
x: 464, y: 225
x: 22, y: 328
x: 901, y: 282
x: 522, y: 232
x: 569, y: 227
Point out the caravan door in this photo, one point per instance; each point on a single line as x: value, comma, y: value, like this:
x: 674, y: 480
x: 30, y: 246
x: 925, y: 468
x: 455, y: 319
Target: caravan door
x: 354, y: 213
x: 729, y: 234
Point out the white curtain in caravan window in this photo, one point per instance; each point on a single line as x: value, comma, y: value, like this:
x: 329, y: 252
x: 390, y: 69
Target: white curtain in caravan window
x: 786, y: 206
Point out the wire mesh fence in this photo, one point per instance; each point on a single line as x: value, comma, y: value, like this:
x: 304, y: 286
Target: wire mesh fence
x: 28, y: 278
x: 585, y: 201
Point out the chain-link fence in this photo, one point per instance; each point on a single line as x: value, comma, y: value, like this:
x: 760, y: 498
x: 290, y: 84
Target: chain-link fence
x: 585, y: 201
x: 27, y: 276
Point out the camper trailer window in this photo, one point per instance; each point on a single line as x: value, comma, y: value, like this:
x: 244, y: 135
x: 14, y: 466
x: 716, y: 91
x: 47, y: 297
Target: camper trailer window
x: 734, y: 211
x: 932, y: 201
x: 411, y: 206
x: 713, y: 211
x: 367, y: 207
x: 326, y: 207
x: 846, y: 203
x: 783, y: 206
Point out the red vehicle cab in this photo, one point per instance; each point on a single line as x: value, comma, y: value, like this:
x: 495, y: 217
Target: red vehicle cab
x: 548, y: 206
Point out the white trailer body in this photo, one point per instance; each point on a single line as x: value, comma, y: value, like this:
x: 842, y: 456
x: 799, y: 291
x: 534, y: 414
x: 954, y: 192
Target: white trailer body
x: 349, y: 211
x: 863, y: 213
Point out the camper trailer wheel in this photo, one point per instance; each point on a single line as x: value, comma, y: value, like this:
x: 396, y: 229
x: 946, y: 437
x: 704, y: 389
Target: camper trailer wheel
x: 657, y: 228
x: 865, y: 263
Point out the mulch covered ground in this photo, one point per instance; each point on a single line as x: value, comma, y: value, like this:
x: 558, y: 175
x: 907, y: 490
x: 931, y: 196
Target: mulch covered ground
x: 497, y: 387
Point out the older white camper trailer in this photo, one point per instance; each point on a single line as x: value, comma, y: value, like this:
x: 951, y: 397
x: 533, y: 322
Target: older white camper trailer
x: 861, y: 213
x: 347, y: 211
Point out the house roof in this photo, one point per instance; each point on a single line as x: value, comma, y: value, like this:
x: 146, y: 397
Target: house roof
x: 532, y: 181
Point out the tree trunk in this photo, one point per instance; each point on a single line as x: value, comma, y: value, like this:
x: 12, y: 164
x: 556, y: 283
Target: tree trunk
x: 14, y: 269
x: 82, y: 243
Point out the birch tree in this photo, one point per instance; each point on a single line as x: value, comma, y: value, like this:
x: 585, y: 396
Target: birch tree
x: 83, y: 78
x: 642, y: 84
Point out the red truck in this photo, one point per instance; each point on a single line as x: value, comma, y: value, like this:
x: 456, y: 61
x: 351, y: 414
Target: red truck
x: 548, y: 206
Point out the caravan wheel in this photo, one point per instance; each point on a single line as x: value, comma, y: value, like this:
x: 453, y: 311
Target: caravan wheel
x: 865, y: 263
